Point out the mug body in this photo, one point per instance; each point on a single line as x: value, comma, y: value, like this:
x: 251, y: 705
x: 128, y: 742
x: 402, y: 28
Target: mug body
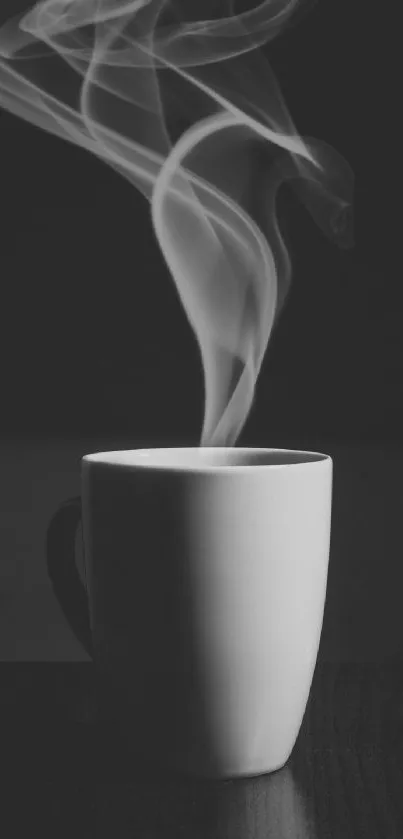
x: 206, y: 574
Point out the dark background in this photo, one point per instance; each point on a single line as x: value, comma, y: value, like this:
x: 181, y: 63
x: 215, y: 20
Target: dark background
x: 96, y: 351
x: 94, y: 338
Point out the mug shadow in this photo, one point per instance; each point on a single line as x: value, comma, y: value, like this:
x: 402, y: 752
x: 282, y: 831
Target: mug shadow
x: 271, y: 805
x: 147, y: 654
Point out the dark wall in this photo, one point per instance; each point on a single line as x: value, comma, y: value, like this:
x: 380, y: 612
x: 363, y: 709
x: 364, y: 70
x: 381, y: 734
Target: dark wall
x: 94, y: 342
x: 94, y: 338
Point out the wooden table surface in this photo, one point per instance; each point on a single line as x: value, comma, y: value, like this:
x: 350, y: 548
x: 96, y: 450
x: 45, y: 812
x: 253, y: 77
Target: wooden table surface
x: 68, y: 774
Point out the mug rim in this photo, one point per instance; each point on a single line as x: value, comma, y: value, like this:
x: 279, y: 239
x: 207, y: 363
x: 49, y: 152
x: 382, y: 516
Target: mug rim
x: 143, y: 458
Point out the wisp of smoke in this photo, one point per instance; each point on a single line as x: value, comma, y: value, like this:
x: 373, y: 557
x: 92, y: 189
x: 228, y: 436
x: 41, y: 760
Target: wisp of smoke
x: 178, y: 97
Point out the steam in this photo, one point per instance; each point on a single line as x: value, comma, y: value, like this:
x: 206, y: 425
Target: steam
x: 188, y: 111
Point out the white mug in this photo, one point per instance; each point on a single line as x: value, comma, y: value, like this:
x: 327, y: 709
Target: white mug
x: 206, y: 572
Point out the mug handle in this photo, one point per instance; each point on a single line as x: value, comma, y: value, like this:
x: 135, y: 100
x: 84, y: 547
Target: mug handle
x: 63, y: 572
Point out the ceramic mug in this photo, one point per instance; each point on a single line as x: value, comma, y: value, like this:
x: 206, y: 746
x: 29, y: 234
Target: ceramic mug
x: 206, y: 573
